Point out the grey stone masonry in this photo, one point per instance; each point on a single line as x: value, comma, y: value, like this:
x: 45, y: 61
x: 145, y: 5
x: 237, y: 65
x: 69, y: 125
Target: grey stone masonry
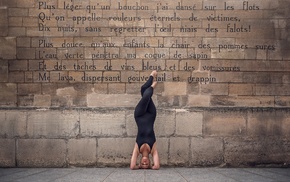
x: 106, y: 137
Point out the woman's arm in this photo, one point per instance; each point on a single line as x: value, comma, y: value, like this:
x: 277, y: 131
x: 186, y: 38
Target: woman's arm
x: 134, y: 157
x: 156, y: 163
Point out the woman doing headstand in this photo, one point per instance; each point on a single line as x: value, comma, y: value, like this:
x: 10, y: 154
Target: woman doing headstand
x: 145, y: 114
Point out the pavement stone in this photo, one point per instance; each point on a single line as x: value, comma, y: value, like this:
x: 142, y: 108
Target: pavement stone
x: 163, y: 175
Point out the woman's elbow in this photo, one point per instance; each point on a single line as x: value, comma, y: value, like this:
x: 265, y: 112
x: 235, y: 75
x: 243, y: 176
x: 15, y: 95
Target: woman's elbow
x: 132, y: 167
x: 156, y: 167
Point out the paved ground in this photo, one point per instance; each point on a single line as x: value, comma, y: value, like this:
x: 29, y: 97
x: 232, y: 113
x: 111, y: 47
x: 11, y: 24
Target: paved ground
x: 127, y: 175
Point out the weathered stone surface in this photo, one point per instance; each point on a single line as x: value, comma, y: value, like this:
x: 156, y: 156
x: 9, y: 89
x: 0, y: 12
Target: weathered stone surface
x: 165, y: 123
x: 115, y: 151
x: 264, y: 124
x: 188, y: 123
x: 82, y: 152
x: 3, y: 22
x: 41, y: 153
x: 224, y: 123
x: 7, y: 153
x: 242, y: 101
x: 256, y: 151
x: 8, y: 94
x: 9, y: 50
x: 42, y: 101
x: 206, y: 151
x: 112, y: 100
x: 214, y: 89
x: 199, y: 100
x: 173, y: 88
x: 3, y: 71
x: 104, y: 123
x: 74, y: 74
x: 178, y: 151
x: 282, y: 101
x: 13, y: 124
x: 162, y: 145
x: 53, y: 124
x: 131, y: 126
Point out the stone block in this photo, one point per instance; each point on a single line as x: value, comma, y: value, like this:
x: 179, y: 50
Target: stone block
x: 16, y: 76
x: 112, y: 100
x: 7, y: 153
x: 266, y: 89
x: 26, y: 89
x: 42, y: 101
x: 15, y: 21
x: 115, y: 151
x: 18, y: 32
x: 284, y: 117
x: 80, y: 157
x: 23, y: 42
x: 103, y: 123
x: 224, y: 123
x: 133, y: 88
x: 264, y: 123
x: 198, y: 100
x: 100, y: 88
x: 165, y: 123
x: 9, y: 50
x: 231, y: 77
x: 8, y: 94
x: 41, y: 153
x: 25, y: 100
x: 116, y: 88
x: 52, y: 124
x: 188, y: 123
x: 9, y: 3
x: 214, y: 89
x: 171, y: 101
x: 16, y: 65
x: 256, y: 77
x: 226, y: 54
x: 132, y: 77
x: 3, y: 22
x: 178, y: 151
x: 33, y: 31
x: 241, y: 89
x: 13, y: 124
x: 66, y: 95
x: 26, y: 3
x: 162, y: 145
x: 175, y: 88
x: 243, y: 101
x: 3, y: 71
x: 131, y: 126
x: 206, y: 151
x: 256, y: 151
x: 26, y: 53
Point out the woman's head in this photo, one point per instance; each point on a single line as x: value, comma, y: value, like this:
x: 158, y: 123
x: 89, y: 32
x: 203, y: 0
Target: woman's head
x: 145, y: 163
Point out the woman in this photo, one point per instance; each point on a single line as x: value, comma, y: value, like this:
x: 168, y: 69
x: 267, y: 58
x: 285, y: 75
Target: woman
x: 145, y: 114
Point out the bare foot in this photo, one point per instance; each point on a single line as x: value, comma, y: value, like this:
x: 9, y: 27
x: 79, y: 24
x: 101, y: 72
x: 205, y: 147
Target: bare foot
x: 154, y: 73
x: 154, y: 84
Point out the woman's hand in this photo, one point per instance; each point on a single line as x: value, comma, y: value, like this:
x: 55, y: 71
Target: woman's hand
x: 135, y: 167
x: 155, y: 167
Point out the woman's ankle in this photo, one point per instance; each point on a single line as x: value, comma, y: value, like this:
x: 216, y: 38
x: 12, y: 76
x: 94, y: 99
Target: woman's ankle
x: 154, y: 84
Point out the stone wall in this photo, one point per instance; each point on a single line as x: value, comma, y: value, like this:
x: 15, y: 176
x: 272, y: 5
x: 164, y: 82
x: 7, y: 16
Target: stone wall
x: 71, y: 71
